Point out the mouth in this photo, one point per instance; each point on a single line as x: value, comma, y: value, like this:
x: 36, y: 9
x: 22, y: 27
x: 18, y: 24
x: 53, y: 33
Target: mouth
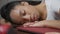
x: 32, y: 19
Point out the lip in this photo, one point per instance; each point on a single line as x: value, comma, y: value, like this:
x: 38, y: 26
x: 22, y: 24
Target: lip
x: 33, y: 19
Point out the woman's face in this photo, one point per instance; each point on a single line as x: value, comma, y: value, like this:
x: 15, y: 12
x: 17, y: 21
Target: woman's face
x: 24, y: 13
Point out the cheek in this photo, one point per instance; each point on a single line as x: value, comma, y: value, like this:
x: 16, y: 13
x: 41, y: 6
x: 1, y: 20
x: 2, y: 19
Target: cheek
x: 17, y: 20
x: 15, y: 17
x: 26, y: 18
x: 32, y: 11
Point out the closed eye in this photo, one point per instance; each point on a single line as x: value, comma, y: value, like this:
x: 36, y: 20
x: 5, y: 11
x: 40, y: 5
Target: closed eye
x: 22, y: 13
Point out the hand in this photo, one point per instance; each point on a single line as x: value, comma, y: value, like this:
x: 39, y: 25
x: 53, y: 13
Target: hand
x: 34, y: 24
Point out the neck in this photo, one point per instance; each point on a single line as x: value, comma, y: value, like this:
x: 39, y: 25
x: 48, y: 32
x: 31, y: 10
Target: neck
x: 42, y: 10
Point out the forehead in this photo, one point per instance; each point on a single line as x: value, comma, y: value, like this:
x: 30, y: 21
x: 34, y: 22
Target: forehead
x: 21, y: 7
x: 17, y: 7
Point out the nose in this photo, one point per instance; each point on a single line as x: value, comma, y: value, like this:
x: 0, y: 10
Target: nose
x: 24, y: 3
x: 27, y: 17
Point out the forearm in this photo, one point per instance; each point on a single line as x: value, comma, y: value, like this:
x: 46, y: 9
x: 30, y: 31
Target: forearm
x: 52, y: 23
x: 45, y: 23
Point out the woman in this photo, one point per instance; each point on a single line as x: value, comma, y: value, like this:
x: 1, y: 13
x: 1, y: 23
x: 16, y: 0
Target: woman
x: 28, y: 14
x: 22, y: 12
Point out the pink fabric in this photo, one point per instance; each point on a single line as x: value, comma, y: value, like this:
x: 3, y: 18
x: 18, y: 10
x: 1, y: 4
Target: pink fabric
x: 4, y: 28
x: 38, y: 30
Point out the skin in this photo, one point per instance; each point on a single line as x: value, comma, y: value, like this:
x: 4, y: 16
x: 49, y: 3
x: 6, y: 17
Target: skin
x: 44, y: 23
x: 31, y: 13
x: 26, y: 13
x: 3, y: 21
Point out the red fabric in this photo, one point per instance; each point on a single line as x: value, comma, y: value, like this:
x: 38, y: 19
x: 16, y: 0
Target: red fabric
x: 38, y: 30
x: 4, y: 28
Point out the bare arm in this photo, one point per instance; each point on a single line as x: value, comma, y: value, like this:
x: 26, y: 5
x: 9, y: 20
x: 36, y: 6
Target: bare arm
x: 52, y: 23
x: 45, y: 23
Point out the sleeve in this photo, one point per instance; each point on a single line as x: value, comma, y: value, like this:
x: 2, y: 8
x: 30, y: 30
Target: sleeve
x: 52, y: 9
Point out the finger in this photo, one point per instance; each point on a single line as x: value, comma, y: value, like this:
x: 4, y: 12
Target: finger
x: 34, y: 25
x: 27, y: 24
